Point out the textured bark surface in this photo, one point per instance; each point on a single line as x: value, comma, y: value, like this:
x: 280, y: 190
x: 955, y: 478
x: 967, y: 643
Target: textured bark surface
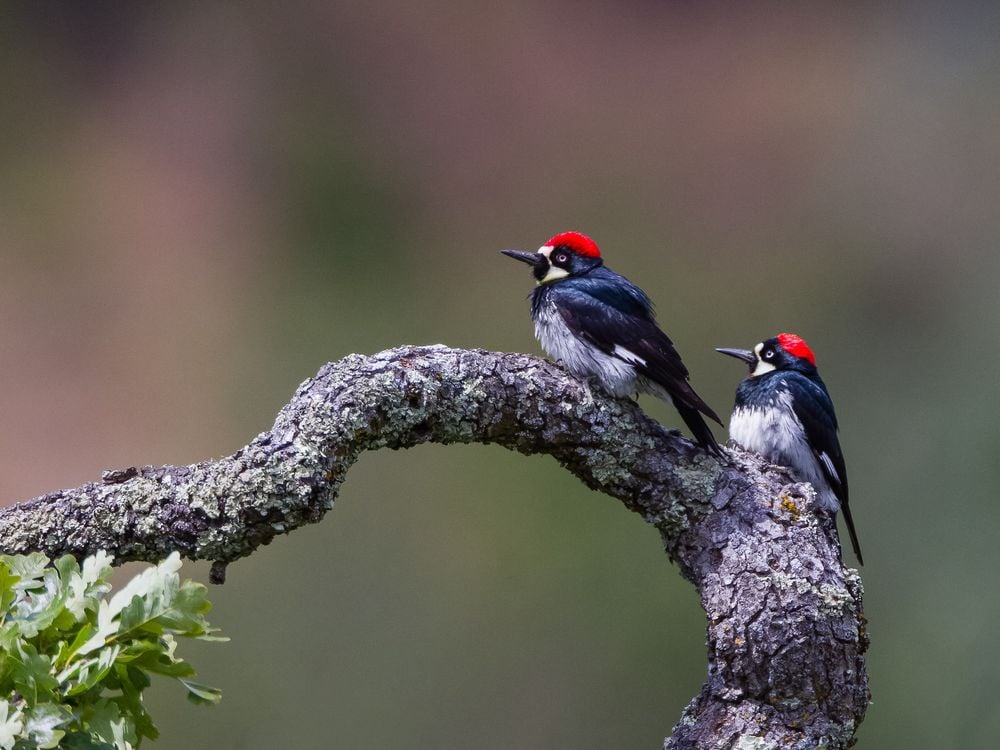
x: 786, y: 631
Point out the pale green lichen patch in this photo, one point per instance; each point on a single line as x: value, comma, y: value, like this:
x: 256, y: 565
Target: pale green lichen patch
x: 835, y: 599
x: 751, y: 742
x: 698, y: 481
x: 790, y: 584
x: 671, y: 521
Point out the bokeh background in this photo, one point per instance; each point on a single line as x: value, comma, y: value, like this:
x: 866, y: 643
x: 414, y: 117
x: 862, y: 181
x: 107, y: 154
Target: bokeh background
x: 200, y: 204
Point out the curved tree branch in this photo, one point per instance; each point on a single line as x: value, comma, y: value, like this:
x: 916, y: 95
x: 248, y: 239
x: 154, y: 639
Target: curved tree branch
x: 786, y: 630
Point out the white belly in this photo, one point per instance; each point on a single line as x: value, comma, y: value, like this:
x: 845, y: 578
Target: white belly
x: 776, y: 433
x: 615, y: 375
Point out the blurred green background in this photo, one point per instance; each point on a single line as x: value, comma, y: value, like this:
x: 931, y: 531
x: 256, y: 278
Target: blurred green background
x: 199, y: 205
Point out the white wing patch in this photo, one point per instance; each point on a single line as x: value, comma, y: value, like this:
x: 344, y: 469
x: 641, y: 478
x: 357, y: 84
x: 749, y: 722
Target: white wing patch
x: 623, y: 353
x: 828, y: 464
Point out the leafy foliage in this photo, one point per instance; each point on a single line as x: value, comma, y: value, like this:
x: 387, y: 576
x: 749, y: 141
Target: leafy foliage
x: 73, y: 664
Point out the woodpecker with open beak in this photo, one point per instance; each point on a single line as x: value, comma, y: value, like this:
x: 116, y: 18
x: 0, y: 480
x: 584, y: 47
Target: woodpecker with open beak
x: 600, y: 326
x: 784, y: 412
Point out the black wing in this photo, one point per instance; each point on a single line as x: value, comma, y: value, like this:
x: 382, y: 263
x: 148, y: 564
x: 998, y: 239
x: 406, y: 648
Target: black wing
x: 635, y: 338
x: 814, y: 409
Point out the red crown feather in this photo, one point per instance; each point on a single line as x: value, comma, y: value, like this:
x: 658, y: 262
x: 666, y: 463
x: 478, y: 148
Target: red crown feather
x: 796, y: 346
x: 580, y: 244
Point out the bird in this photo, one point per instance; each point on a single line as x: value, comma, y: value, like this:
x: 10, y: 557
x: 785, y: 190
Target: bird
x: 601, y: 327
x: 784, y: 412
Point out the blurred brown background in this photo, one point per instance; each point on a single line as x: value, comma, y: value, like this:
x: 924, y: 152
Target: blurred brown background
x: 201, y: 205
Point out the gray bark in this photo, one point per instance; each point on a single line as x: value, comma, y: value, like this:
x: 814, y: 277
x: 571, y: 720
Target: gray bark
x: 786, y: 631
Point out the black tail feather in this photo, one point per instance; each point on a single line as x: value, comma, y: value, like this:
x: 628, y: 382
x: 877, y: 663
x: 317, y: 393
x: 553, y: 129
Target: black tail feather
x: 707, y: 411
x: 854, y: 534
x: 699, y: 428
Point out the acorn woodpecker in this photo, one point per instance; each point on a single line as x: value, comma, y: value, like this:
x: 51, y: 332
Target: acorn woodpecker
x: 784, y: 412
x: 601, y: 326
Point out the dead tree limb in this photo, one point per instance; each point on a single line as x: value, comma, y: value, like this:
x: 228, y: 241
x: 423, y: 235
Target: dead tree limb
x: 786, y: 631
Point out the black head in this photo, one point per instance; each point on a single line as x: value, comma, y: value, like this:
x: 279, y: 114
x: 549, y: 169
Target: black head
x: 567, y: 254
x: 786, y: 351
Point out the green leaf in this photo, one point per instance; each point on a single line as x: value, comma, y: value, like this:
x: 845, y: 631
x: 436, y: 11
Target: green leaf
x: 110, y: 726
x: 138, y: 617
x: 42, y: 724
x: 67, y: 567
x: 97, y: 569
x: 8, y: 580
x: 132, y: 683
x: 84, y: 675
x: 38, y: 608
x: 29, y: 568
x: 85, y: 586
x: 31, y: 673
x: 156, y: 656
x: 151, y: 584
x: 11, y: 724
x: 82, y: 741
x: 79, y: 663
x: 203, y: 694
x: 68, y: 651
x: 161, y: 603
x: 107, y: 627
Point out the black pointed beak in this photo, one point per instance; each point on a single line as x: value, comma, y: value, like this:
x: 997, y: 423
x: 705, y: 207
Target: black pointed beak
x: 744, y: 354
x: 532, y: 259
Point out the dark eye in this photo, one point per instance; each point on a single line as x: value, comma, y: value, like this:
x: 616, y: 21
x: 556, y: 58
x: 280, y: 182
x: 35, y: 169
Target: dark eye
x: 561, y: 258
x: 769, y: 354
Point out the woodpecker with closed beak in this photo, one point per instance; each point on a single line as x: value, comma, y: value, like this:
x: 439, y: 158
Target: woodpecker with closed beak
x: 600, y: 326
x: 784, y: 412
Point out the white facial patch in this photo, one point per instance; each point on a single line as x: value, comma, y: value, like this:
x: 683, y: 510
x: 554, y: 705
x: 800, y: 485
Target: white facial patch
x: 762, y: 367
x: 555, y: 272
